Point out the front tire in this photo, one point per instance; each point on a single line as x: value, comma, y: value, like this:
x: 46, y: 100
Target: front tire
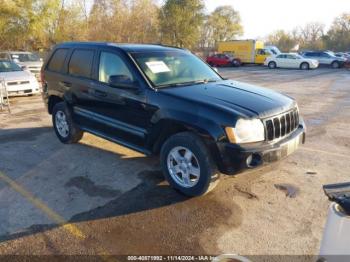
x: 65, y: 128
x: 188, y: 165
x: 335, y: 65
x: 305, y: 66
x: 272, y: 65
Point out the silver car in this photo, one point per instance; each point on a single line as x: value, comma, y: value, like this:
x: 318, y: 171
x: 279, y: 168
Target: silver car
x: 325, y: 58
x: 27, y: 60
x: 17, y: 80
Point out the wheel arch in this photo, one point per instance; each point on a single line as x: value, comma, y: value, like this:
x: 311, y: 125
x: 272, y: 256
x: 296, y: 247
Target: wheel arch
x: 52, y: 101
x: 207, y: 131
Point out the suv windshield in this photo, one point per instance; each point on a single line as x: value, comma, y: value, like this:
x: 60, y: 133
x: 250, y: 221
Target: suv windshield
x: 25, y: 57
x: 174, y: 68
x: 8, y: 66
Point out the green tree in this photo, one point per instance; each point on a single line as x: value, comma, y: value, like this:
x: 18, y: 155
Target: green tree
x: 283, y: 40
x: 27, y: 24
x: 143, y: 22
x: 338, y: 36
x: 180, y: 22
x: 224, y: 24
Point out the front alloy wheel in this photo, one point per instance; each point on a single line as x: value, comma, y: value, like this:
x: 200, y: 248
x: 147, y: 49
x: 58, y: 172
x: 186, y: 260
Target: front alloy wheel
x: 187, y: 164
x: 183, y: 167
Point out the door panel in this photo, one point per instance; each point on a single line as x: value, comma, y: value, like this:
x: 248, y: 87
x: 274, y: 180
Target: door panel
x: 121, y: 113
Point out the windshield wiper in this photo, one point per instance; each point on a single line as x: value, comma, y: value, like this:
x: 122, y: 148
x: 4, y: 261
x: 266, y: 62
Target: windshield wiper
x: 196, y: 82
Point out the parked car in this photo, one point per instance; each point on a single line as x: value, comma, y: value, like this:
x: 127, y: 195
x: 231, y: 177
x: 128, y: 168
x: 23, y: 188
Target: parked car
x: 27, y: 60
x: 161, y: 100
x: 289, y: 60
x: 17, y: 80
x: 325, y: 58
x: 223, y: 60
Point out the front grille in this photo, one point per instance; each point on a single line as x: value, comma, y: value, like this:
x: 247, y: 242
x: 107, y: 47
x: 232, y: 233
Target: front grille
x: 280, y: 126
x: 17, y: 83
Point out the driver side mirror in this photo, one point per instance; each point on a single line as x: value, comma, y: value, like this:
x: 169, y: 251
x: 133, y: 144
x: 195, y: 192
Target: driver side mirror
x: 122, y: 81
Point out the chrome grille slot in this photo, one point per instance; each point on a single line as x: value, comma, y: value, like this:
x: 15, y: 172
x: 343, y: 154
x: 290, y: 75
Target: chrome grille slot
x: 281, y: 125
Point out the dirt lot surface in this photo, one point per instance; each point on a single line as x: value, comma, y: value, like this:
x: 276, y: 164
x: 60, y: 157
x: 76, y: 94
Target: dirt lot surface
x: 97, y: 197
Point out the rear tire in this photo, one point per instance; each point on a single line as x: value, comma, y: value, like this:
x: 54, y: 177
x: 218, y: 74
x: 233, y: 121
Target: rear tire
x: 236, y: 62
x: 305, y: 66
x: 182, y: 153
x: 272, y: 65
x: 65, y: 128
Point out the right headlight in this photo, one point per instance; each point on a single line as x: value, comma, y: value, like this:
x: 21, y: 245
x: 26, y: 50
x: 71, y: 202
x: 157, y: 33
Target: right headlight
x: 246, y: 131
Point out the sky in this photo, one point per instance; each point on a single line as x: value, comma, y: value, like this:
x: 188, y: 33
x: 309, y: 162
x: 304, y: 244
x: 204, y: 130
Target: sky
x: 260, y: 18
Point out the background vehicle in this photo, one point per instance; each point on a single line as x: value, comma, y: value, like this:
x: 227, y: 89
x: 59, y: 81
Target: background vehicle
x: 223, y: 60
x: 325, y: 58
x: 289, y: 60
x: 27, y: 60
x: 336, y: 235
x: 273, y: 49
x: 17, y: 80
x: 248, y: 51
x: 157, y: 99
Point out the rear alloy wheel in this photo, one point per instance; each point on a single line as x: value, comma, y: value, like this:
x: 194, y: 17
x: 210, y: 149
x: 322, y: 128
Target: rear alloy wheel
x: 335, y: 65
x: 183, y: 166
x: 272, y: 65
x: 66, y: 130
x: 305, y: 66
x: 188, y: 165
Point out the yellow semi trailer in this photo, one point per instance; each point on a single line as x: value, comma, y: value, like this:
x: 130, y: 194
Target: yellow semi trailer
x: 248, y: 51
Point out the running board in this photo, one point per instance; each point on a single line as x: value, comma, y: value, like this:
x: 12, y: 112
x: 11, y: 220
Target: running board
x: 118, y: 141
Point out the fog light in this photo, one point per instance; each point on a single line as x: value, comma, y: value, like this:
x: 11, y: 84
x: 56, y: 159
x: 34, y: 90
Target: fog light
x: 249, y: 160
x: 254, y: 160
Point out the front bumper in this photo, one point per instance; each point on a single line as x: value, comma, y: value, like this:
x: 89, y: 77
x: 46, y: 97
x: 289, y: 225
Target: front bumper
x: 20, y: 90
x: 236, y: 158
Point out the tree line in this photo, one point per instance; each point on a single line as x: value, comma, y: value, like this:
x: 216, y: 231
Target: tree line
x: 39, y: 24
x: 314, y: 36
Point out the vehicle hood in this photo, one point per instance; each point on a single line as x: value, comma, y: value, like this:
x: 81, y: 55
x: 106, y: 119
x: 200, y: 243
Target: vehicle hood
x: 17, y: 75
x: 248, y: 100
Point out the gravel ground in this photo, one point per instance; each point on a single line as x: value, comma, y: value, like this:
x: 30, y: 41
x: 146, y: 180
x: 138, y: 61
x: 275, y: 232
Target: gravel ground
x: 99, y: 198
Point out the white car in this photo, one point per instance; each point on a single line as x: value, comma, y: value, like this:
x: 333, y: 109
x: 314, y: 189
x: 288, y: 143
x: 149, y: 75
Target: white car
x: 290, y: 60
x: 17, y: 80
x: 27, y: 60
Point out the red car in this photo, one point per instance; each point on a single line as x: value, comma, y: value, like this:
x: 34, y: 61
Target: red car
x: 223, y: 60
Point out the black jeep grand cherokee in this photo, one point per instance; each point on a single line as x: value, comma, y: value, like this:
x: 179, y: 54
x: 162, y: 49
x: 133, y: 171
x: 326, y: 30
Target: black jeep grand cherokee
x: 156, y: 99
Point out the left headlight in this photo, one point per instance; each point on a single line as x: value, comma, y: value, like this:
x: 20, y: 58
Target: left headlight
x: 246, y: 131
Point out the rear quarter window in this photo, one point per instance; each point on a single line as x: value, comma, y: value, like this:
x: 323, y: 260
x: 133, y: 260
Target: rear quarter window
x: 81, y: 63
x: 57, y: 60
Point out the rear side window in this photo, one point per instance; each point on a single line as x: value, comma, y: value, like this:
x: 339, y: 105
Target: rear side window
x: 57, y: 60
x: 81, y: 63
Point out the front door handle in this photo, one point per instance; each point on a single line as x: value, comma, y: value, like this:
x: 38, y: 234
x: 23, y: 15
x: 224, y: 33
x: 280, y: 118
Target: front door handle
x: 100, y: 93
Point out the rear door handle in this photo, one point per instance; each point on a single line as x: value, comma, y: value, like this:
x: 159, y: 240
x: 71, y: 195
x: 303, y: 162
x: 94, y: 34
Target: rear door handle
x: 65, y: 84
x: 100, y: 93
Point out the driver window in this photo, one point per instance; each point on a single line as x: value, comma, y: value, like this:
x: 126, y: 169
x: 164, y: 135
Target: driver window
x: 112, y: 64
